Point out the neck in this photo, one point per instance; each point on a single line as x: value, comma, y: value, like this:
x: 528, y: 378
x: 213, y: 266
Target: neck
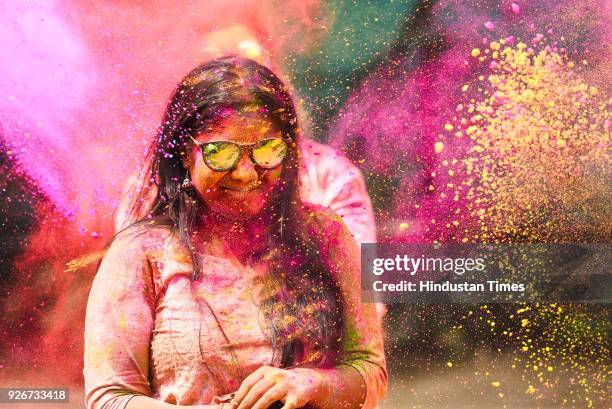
x: 242, y: 238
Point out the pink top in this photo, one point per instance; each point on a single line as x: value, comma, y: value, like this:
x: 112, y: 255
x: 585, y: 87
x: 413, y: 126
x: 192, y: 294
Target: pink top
x: 146, y: 333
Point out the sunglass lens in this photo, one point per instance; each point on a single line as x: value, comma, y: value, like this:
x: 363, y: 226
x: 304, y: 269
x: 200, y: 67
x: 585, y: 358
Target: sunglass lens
x: 221, y: 156
x: 270, y: 153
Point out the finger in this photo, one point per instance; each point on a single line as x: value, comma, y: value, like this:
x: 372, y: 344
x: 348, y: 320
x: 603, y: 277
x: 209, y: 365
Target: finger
x: 277, y: 392
x: 247, y: 384
x: 255, y: 393
x: 290, y: 402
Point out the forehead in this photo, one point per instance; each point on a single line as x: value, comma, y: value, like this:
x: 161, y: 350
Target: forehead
x: 246, y: 125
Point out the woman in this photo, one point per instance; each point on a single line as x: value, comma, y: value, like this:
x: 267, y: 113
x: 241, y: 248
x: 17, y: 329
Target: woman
x: 231, y: 292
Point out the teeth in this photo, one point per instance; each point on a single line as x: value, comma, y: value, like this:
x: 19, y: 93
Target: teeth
x: 239, y: 190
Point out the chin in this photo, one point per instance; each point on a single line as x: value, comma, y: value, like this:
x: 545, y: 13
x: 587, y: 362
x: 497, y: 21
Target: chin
x: 236, y: 205
x: 238, y: 210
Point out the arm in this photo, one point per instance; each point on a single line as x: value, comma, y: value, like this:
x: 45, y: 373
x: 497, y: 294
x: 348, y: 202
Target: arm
x: 360, y: 379
x: 145, y: 402
x: 118, y: 326
x: 329, y: 179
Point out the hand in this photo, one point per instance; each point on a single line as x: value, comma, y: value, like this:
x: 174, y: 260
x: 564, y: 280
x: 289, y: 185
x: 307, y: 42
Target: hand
x: 294, y: 387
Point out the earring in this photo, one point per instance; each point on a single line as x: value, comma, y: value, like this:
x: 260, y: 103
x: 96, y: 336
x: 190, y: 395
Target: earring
x: 187, y: 185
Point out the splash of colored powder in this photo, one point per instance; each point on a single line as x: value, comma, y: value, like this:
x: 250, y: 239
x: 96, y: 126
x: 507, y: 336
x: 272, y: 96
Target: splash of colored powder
x: 537, y: 163
x: 561, y: 351
x: 527, y: 158
x: 389, y: 123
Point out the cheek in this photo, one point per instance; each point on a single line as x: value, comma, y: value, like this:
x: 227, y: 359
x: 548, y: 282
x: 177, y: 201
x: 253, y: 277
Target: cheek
x: 273, y: 176
x: 204, y: 179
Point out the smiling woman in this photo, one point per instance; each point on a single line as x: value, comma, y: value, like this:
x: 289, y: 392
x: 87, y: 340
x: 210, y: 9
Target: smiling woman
x: 240, y: 164
x: 230, y: 291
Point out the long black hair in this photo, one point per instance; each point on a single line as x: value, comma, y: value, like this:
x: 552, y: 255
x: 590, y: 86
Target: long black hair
x: 303, y: 300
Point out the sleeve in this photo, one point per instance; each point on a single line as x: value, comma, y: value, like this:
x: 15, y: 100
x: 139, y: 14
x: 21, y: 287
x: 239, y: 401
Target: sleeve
x: 118, y: 326
x: 329, y: 179
x: 362, y: 340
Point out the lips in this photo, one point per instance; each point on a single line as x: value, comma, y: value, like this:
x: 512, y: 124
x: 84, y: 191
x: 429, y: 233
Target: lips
x: 238, y: 189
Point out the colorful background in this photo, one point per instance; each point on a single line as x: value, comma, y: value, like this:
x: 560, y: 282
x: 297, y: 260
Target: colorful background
x: 472, y: 121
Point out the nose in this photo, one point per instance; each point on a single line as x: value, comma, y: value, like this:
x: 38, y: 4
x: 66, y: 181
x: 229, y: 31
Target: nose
x: 245, y: 170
